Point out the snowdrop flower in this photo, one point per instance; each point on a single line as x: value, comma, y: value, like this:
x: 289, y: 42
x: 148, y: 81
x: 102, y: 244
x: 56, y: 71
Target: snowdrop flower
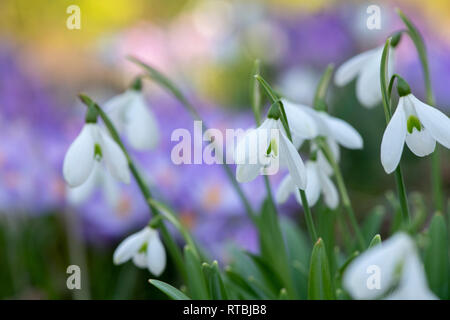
x: 130, y: 114
x: 366, y: 68
x: 307, y: 123
x: 415, y: 122
x: 99, y: 177
x: 394, y: 264
x: 91, y: 146
x: 146, y: 250
x: 260, y: 148
x: 318, y: 172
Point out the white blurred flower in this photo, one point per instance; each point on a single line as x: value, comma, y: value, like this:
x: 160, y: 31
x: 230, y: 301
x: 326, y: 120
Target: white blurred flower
x: 394, y: 264
x: 318, y: 173
x: 91, y: 146
x: 260, y: 148
x: 146, y: 250
x: 417, y: 123
x: 366, y: 68
x: 130, y: 115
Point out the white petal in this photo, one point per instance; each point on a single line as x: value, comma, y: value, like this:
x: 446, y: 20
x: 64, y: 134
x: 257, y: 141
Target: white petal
x: 413, y: 284
x: 247, y: 172
x: 302, y: 125
x: 421, y: 143
x: 115, y: 158
x: 131, y: 245
x: 79, y: 159
x: 116, y: 106
x: 141, y: 127
x: 368, y: 88
x: 350, y: 69
x: 81, y: 193
x: 140, y: 260
x: 384, y: 258
x: 342, y: 132
x: 111, y: 190
x: 313, y: 187
x: 437, y: 123
x: 334, y: 148
x: 285, y: 188
x: 293, y: 162
x: 331, y: 196
x: 394, y: 139
x: 156, y: 254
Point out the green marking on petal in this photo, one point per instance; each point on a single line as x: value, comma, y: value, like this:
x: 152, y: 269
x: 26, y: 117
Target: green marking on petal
x: 413, y: 122
x: 273, y: 147
x: 143, y: 249
x: 97, y: 151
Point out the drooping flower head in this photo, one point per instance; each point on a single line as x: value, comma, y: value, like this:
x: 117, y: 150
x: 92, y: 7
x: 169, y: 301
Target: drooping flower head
x: 417, y: 124
x: 130, y: 115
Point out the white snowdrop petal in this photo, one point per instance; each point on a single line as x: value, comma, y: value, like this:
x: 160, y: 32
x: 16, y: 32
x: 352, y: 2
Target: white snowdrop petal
x: 247, y: 172
x: 285, y: 188
x: 302, y: 125
x: 140, y: 260
x: 380, y: 262
x: 394, y: 139
x: 330, y: 193
x: 116, y: 106
x: 79, y: 159
x: 293, y: 161
x: 141, y: 126
x: 436, y: 122
x: 156, y: 255
x: 312, y: 190
x: 343, y: 132
x: 368, y: 88
x: 350, y: 69
x: 110, y: 188
x: 421, y: 143
x: 413, y: 283
x: 81, y: 193
x: 115, y: 159
x: 130, y: 246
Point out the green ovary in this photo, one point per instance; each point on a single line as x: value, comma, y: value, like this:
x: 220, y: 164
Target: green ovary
x: 413, y: 122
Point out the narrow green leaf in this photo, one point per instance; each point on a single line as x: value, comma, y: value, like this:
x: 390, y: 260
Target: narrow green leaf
x: 214, y: 280
x: 320, y: 286
x: 196, y: 281
x: 372, y: 224
x: 169, y: 290
x: 436, y: 257
x: 283, y: 295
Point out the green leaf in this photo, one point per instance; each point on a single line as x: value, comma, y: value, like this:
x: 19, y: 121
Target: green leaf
x: 214, y: 280
x: 372, y: 224
x: 169, y: 290
x: 196, y: 281
x: 241, y: 284
x: 375, y: 241
x: 436, y: 257
x: 320, y: 286
x: 283, y: 295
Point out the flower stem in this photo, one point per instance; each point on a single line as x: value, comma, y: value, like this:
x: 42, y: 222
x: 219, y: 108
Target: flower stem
x: 145, y: 190
x: 309, y: 220
x: 401, y: 190
x: 419, y: 43
x: 343, y: 192
x: 155, y: 75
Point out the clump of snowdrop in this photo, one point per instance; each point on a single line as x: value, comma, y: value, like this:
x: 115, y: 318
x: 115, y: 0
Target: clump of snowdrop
x: 93, y: 146
x: 130, y: 115
x: 260, y: 148
x: 391, y: 270
x: 415, y: 122
x: 314, y: 124
x: 145, y: 249
x: 366, y: 68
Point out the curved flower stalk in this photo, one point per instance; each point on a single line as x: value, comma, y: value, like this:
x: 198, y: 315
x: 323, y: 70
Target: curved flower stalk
x: 130, y: 115
x: 99, y: 178
x: 391, y: 270
x: 92, y: 146
x: 263, y: 148
x: 417, y: 124
x: 145, y: 249
x: 366, y: 68
x: 318, y: 173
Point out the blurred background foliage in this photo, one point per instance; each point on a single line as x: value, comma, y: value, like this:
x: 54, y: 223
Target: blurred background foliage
x: 207, y: 47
